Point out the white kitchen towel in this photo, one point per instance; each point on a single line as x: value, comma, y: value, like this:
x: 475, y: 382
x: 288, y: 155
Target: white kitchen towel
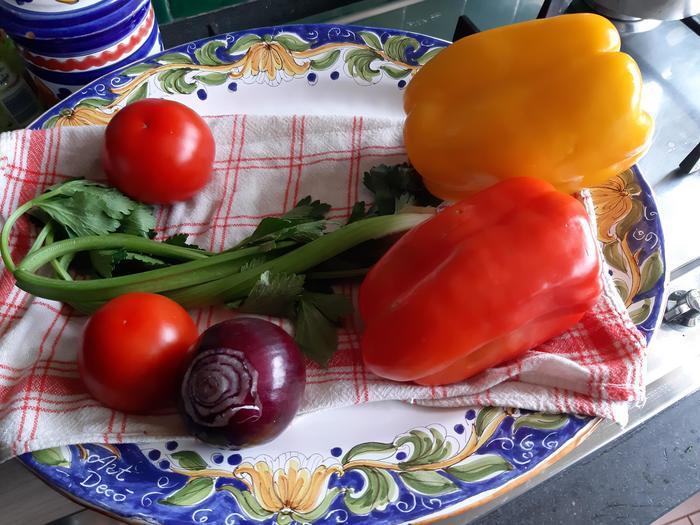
x: 264, y: 165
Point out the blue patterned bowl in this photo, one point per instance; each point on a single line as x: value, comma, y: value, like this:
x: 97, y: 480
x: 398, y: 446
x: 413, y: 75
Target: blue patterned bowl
x: 56, y: 19
x: 68, y: 45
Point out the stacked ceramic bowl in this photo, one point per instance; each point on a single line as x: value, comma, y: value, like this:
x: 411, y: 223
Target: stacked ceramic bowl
x: 68, y: 43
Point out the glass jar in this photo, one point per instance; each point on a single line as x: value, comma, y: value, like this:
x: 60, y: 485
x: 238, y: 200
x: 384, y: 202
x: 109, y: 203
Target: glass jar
x: 18, y: 104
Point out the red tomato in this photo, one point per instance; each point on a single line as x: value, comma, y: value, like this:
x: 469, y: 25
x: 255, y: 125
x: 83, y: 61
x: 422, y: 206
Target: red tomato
x: 135, y: 350
x: 158, y: 151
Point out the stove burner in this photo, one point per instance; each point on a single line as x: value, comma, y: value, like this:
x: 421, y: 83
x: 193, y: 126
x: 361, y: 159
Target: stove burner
x: 624, y: 24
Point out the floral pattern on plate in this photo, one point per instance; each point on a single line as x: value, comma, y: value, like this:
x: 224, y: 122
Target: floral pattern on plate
x: 413, y: 475
x: 269, y: 58
x: 632, y: 243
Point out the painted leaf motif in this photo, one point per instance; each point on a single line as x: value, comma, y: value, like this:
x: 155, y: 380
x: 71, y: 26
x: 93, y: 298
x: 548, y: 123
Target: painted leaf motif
x: 194, y: 492
x: 427, y: 447
x: 359, y: 63
x: 51, y: 122
x: 479, y: 468
x: 292, y: 42
x: 428, y: 482
x: 651, y: 271
x: 395, y: 72
x: 396, y: 45
x: 243, y: 43
x: 486, y: 416
x: 283, y: 518
x: 422, y: 444
x: 206, y: 55
x: 94, y: 102
x: 175, y: 58
x: 136, y: 69
x: 634, y: 188
x: 622, y: 288
x: 52, y: 457
x: 627, y: 177
x: 541, y: 421
x: 440, y: 450
x: 189, y: 460
x: 139, y: 93
x: 247, y: 502
x: 182, y: 85
x: 173, y: 81
x: 612, y: 252
x: 430, y: 53
x: 325, y: 61
x: 632, y: 218
x: 212, y: 79
x: 320, y: 511
x: 639, y: 312
x: 369, y: 447
x: 371, y: 39
x: 379, y: 490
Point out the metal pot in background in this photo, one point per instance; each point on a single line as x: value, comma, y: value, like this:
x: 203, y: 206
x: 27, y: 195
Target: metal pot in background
x: 634, y: 16
x: 647, y: 9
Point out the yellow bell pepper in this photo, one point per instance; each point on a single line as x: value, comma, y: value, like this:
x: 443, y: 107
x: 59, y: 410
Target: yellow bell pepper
x: 551, y: 98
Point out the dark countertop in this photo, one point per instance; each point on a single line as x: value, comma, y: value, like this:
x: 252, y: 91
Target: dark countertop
x: 634, y: 480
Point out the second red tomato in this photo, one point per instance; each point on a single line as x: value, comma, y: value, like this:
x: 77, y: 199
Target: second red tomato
x: 135, y: 350
x: 158, y: 151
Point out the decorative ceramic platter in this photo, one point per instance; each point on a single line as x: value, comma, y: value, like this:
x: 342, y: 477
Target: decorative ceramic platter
x: 383, y: 462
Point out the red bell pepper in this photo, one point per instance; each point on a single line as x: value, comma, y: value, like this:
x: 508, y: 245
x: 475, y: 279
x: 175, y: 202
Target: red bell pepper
x: 480, y: 283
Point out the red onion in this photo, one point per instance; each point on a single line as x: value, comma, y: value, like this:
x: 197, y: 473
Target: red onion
x: 245, y: 383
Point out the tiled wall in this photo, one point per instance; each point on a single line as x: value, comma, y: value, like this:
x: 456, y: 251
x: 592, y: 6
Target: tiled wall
x: 169, y: 10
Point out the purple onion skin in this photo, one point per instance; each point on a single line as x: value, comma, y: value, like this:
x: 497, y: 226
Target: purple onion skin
x: 244, y: 385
